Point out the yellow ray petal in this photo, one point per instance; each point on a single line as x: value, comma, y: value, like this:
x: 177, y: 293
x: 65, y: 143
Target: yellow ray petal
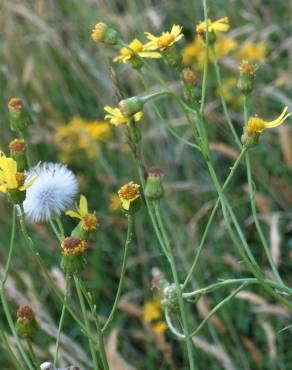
x: 73, y: 214
x: 83, y: 207
x: 278, y: 121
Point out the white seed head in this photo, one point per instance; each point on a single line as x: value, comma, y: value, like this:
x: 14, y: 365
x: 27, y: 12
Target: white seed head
x: 47, y: 366
x: 51, y: 193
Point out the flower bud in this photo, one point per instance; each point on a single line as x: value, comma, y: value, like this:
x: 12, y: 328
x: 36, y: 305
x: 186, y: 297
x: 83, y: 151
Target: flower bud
x: 19, y: 120
x: 103, y: 33
x: 154, y: 188
x: 25, y: 325
x: 246, y: 77
x: 192, y: 90
x: 131, y: 106
x: 17, y: 152
x: 170, y: 300
x: 250, y: 141
x: 73, y: 249
x: 172, y: 56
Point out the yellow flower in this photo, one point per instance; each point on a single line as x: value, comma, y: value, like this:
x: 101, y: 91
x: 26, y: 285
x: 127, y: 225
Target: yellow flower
x: 9, y: 177
x: 221, y: 24
x: 115, y: 203
x: 116, y: 117
x: 253, y: 51
x: 128, y: 193
x: 194, y: 52
x: 98, y: 31
x: 152, y: 315
x: 164, y: 41
x: 152, y: 310
x: 8, y: 170
x: 258, y: 125
x: 88, y: 220
x: 81, y: 135
x: 159, y: 327
x: 137, y: 46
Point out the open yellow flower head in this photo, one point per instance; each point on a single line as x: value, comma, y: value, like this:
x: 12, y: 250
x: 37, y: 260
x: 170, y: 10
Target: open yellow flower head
x: 221, y: 25
x: 88, y: 220
x: 136, y: 45
x: 129, y: 194
x: 8, y: 170
x: 165, y: 40
x: 258, y: 125
x: 116, y: 117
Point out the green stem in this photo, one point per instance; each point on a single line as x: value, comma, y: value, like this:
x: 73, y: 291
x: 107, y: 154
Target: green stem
x: 6, y: 346
x: 214, y: 210
x: 186, y: 330
x: 13, y: 330
x: 32, y: 354
x: 67, y: 285
x: 122, y: 275
x: 60, y: 225
x: 55, y: 230
x: 212, y: 287
x: 223, y: 102
x: 86, y: 321
x: 101, y: 345
x: 206, y: 61
x: 47, y: 276
x: 11, y: 247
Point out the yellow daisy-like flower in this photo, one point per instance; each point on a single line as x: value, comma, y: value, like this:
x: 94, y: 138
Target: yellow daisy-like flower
x: 116, y: 117
x: 152, y: 310
x: 136, y: 45
x: 128, y: 193
x: 258, y: 125
x: 88, y: 220
x: 10, y: 179
x: 165, y: 40
x: 221, y: 25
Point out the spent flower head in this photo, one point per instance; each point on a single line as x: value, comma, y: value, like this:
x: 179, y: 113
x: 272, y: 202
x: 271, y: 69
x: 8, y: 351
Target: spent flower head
x: 51, y: 193
x: 165, y: 40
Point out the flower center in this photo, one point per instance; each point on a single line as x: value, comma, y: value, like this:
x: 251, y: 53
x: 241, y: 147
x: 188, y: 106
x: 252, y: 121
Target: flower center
x: 165, y: 40
x: 71, y: 245
x: 89, y: 221
x: 129, y: 192
x: 255, y: 125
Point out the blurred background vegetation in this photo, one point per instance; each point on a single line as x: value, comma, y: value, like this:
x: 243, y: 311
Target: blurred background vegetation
x: 65, y: 80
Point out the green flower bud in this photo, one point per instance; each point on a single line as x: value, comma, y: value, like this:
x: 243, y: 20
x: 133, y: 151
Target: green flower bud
x: 154, y: 188
x: 246, y: 77
x: 131, y: 106
x: 19, y: 119
x: 192, y: 91
x: 170, y: 300
x: 17, y: 152
x: 26, y: 325
x: 172, y: 56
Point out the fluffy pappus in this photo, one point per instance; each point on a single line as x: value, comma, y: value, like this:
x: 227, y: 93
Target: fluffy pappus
x: 51, y: 193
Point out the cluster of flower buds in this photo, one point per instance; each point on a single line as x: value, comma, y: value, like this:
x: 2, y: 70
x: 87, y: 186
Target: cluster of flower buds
x: 26, y: 325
